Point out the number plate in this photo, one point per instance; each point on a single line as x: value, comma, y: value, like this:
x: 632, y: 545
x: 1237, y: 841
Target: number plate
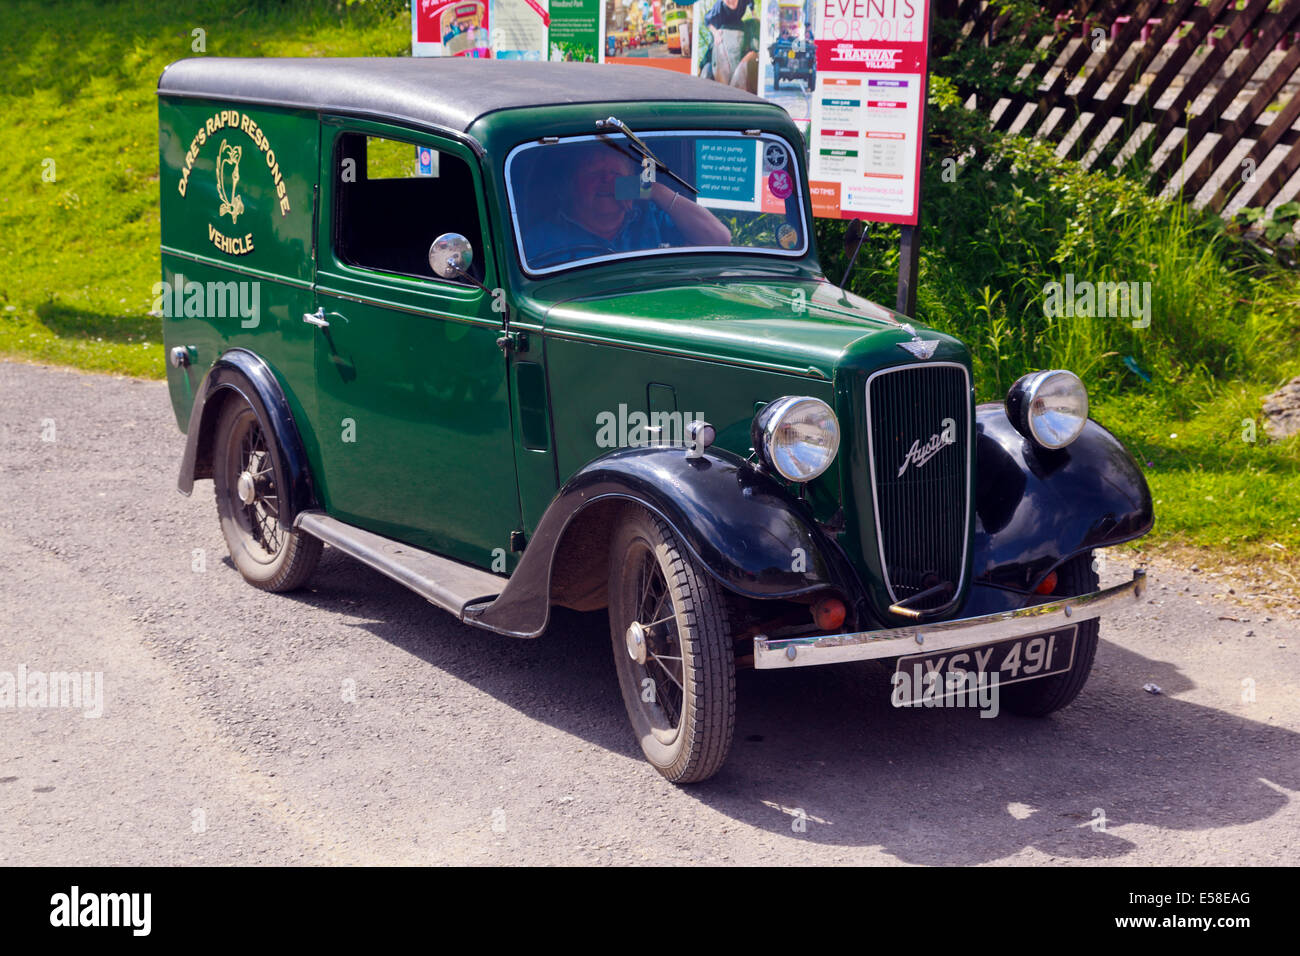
x: 1020, y: 659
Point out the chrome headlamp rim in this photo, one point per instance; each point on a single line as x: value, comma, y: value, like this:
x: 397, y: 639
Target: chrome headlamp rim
x: 1020, y: 406
x: 770, y: 418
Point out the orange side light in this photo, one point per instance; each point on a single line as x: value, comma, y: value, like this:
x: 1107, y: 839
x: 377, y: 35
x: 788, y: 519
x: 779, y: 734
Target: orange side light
x: 1048, y: 586
x: 829, y: 613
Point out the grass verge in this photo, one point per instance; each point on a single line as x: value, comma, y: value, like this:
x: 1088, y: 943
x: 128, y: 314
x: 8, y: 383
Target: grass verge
x: 79, y: 203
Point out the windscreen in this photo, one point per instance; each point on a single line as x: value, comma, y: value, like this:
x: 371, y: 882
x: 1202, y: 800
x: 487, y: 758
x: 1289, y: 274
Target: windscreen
x: 594, y: 198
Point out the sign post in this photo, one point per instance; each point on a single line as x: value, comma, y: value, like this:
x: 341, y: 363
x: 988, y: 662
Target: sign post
x: 868, y: 119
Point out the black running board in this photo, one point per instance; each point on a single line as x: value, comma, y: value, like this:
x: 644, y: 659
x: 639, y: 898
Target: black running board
x: 449, y: 584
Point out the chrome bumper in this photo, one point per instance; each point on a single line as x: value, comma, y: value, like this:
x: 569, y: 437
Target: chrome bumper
x: 941, y: 635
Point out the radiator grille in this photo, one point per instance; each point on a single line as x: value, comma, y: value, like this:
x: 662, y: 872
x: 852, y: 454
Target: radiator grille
x: 919, y: 481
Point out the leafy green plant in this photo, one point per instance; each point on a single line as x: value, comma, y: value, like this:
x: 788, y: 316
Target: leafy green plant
x: 1276, y: 232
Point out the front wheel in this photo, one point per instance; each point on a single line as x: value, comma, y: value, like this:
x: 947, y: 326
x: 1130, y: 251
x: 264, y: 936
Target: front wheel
x: 247, y: 476
x: 676, y: 665
x: 1038, y: 698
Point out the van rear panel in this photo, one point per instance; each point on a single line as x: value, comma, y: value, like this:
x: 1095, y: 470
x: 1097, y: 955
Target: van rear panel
x: 238, y: 187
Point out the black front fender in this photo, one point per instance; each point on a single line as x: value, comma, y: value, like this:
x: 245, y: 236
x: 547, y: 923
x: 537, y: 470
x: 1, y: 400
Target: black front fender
x: 1035, y: 509
x: 241, y: 372
x: 738, y: 523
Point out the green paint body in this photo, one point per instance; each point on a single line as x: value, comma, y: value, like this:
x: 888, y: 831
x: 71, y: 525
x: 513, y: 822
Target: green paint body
x: 416, y: 423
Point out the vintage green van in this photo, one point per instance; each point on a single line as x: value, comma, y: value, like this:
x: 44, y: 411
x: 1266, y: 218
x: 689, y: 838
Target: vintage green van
x: 523, y: 335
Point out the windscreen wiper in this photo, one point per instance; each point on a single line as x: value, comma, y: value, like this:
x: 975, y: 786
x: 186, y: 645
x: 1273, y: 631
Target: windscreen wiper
x: 615, y: 123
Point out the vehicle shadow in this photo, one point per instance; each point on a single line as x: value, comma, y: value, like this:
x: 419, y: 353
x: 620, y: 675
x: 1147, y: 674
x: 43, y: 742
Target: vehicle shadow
x: 69, y: 322
x: 821, y: 755
x: 948, y: 786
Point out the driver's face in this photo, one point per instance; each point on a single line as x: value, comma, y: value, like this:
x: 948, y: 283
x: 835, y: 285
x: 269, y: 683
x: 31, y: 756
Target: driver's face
x: 594, y: 183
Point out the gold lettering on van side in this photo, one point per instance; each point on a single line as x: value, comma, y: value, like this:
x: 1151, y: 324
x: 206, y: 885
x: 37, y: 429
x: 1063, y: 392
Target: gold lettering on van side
x: 226, y: 165
x: 231, y: 245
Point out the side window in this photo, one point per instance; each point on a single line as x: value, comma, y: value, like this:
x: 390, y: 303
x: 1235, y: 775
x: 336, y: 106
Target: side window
x: 394, y: 198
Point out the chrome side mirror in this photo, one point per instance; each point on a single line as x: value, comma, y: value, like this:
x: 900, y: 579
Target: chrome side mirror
x: 450, y: 256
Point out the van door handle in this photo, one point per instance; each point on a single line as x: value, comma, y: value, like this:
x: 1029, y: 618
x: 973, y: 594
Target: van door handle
x: 316, y: 318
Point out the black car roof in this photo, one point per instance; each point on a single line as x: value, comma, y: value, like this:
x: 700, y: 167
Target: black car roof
x: 447, y: 92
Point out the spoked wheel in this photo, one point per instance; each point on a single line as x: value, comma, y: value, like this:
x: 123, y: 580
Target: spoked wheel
x: 247, y: 479
x: 672, y: 650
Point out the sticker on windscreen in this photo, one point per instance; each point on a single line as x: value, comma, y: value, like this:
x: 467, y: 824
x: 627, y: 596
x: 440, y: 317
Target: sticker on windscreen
x: 780, y: 184
x: 727, y: 174
x: 774, y: 157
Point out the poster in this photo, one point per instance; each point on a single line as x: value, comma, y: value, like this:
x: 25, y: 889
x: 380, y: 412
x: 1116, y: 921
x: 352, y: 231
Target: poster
x: 727, y: 35
x: 519, y: 29
x: 449, y: 28
x: 576, y: 29
x: 788, y: 57
x: 649, y: 33
x: 508, y: 29
x: 867, y: 109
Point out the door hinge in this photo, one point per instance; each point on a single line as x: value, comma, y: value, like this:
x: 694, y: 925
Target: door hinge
x: 518, y: 541
x: 513, y: 342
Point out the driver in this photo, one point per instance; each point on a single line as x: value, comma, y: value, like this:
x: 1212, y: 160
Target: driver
x: 593, y: 221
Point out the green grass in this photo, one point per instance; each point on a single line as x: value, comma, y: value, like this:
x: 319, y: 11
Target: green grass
x: 1213, y: 488
x: 80, y: 254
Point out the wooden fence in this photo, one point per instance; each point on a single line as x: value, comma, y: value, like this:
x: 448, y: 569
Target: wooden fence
x: 1204, y: 93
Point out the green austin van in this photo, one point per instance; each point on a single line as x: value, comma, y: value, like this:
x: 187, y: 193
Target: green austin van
x: 524, y: 335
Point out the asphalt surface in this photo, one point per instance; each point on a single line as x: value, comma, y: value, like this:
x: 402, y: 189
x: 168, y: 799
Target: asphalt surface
x: 354, y: 723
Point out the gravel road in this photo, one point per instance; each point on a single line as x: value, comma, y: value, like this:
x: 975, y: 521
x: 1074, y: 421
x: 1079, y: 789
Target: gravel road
x: 354, y: 723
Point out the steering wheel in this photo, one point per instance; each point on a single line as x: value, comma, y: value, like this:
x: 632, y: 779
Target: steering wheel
x: 554, y: 257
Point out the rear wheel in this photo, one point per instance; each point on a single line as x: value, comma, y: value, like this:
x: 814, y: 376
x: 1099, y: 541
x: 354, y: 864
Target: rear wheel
x: 1038, y: 698
x: 671, y: 632
x: 246, y: 474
